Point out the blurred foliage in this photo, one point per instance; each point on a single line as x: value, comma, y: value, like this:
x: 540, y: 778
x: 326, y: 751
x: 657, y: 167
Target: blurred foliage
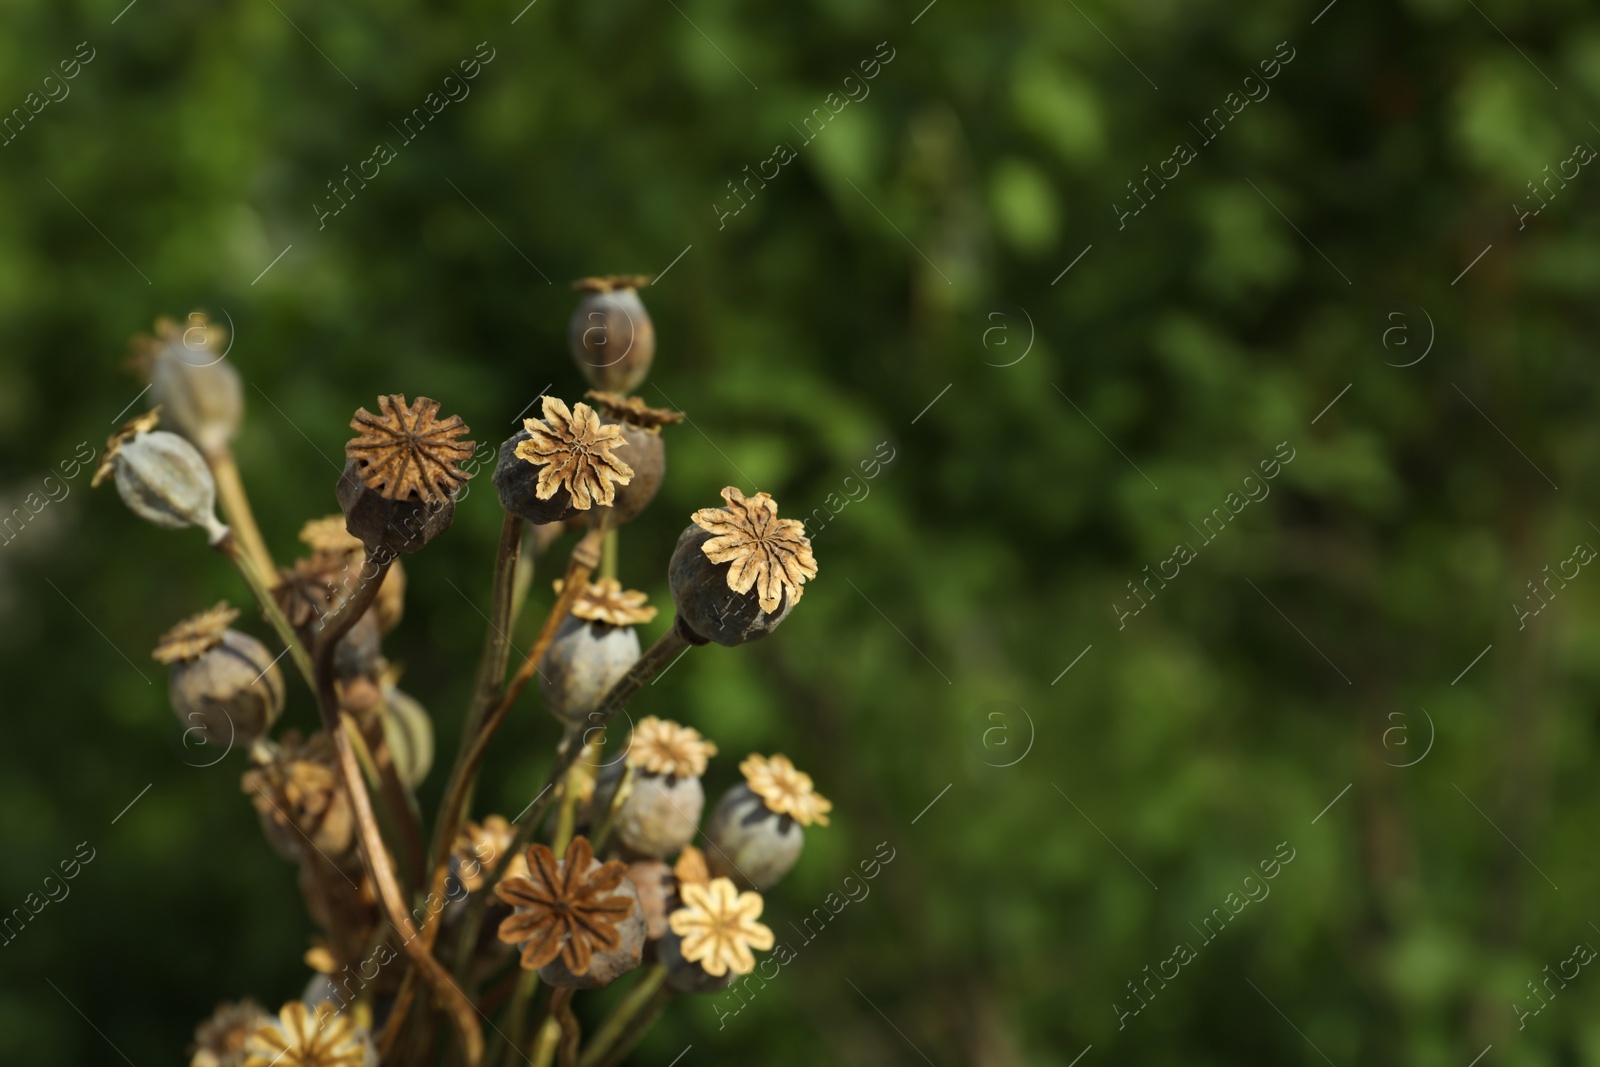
x: 917, y: 243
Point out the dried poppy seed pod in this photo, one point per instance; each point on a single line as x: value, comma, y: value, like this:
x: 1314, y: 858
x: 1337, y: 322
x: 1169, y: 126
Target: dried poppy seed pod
x: 556, y: 467
x: 606, y: 966
x: 224, y: 684
x: 576, y: 912
x: 199, y: 394
x: 298, y: 791
x: 219, y: 1041
x: 755, y: 846
x: 323, y: 1035
x: 684, y: 975
x: 657, y: 889
x: 713, y: 934
x: 661, y: 813
x: 756, y: 826
x: 738, y: 571
x: 647, y: 454
x: 584, y: 661
x: 162, y: 478
x: 399, y: 487
x: 610, y: 333
x: 592, y: 650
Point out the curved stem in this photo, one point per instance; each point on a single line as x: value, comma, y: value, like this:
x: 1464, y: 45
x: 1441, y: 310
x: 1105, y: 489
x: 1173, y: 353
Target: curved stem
x: 497, y: 639
x: 236, y: 508
x: 584, y: 556
x: 376, y: 857
x: 229, y: 546
x: 491, y: 669
x: 571, y: 1033
x: 656, y: 659
x: 617, y: 1022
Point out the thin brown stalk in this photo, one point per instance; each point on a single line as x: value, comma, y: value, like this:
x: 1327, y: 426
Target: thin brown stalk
x: 476, y: 735
x: 571, y: 1032
x: 397, y: 802
x: 656, y: 659
x: 236, y: 508
x: 230, y: 546
x: 379, y: 867
x: 584, y: 557
x: 643, y: 991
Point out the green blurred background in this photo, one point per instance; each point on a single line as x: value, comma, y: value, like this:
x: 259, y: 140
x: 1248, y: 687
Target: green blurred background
x: 910, y: 247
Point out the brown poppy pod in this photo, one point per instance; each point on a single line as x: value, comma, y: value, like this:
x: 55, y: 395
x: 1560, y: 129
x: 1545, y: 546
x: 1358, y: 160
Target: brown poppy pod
x: 398, y: 489
x: 661, y: 814
x: 755, y: 847
x: 606, y: 967
x: 647, y: 455
x: 610, y: 333
x: 706, y: 605
x: 584, y: 661
x: 231, y: 693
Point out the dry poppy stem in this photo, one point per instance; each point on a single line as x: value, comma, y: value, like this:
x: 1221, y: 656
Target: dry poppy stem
x: 380, y: 770
x: 571, y: 1033
x: 641, y: 993
x: 517, y: 1015
x: 585, y: 554
x: 642, y: 1012
x: 608, y: 555
x: 390, y: 896
x: 491, y: 669
x: 624, y: 787
x: 229, y: 546
x: 655, y: 659
x: 544, y: 1049
x: 236, y: 508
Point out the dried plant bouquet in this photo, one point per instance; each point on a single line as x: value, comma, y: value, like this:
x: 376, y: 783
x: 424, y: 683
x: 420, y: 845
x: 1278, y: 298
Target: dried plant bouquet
x: 433, y: 936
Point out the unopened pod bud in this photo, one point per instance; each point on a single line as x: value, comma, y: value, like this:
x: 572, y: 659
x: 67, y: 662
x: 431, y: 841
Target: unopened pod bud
x: 162, y: 478
x: 756, y: 826
x: 399, y: 485
x: 592, y: 650
x: 198, y: 392
x: 661, y: 813
x: 225, y: 685
x: 738, y: 571
x: 562, y: 465
x: 610, y: 334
